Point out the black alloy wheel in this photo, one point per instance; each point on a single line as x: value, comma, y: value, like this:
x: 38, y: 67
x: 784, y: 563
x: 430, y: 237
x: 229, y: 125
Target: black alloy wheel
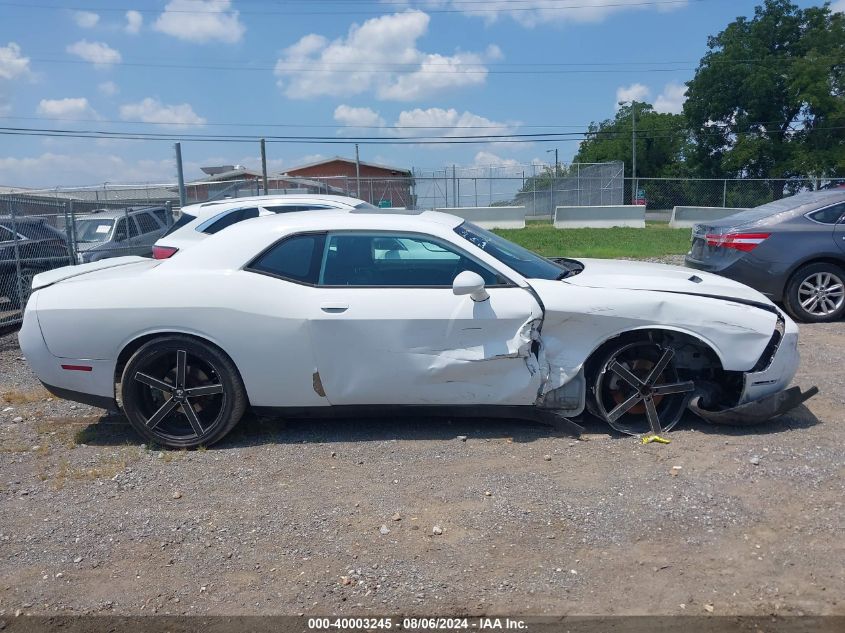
x: 180, y: 392
x: 638, y: 390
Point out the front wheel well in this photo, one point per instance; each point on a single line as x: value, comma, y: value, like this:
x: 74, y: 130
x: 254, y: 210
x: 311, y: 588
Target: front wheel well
x: 834, y: 261
x: 695, y: 359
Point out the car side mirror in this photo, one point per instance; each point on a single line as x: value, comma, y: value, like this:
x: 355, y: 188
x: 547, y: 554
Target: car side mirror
x: 470, y: 283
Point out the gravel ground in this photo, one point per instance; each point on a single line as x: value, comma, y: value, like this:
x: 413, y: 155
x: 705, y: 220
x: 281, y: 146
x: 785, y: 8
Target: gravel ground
x: 403, y: 516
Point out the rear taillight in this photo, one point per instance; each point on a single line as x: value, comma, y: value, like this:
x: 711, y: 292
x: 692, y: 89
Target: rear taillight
x: 164, y: 252
x: 745, y: 242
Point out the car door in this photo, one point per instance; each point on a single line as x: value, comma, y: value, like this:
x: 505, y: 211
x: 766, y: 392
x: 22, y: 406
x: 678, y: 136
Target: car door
x: 390, y: 330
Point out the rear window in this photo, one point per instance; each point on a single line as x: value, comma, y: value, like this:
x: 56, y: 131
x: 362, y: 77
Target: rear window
x: 830, y: 215
x: 161, y: 214
x: 295, y: 258
x: 147, y: 223
x: 182, y: 221
x: 233, y: 217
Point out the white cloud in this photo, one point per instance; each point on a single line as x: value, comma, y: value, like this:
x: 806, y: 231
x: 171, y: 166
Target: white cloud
x: 154, y: 111
x: 52, y: 169
x: 201, y: 21
x: 634, y: 92
x: 488, y: 159
x: 343, y: 66
x: 108, y: 88
x: 12, y: 63
x: 531, y: 13
x: 134, y: 21
x: 85, y: 19
x: 98, y: 53
x: 672, y: 98
x: 357, y: 117
x: 447, y: 123
x: 67, y: 108
x: 838, y: 6
x: 436, y: 122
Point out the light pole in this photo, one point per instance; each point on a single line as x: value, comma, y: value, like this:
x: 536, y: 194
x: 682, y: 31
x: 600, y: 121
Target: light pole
x: 554, y: 182
x: 634, y: 187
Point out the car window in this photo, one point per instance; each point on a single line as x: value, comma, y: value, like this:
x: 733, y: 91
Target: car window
x: 184, y: 219
x: 233, y: 217
x: 392, y: 260
x: 147, y: 223
x: 95, y: 230
x: 527, y: 263
x: 133, y: 227
x: 295, y: 258
x: 6, y: 235
x: 830, y: 215
x: 120, y: 230
x: 161, y: 214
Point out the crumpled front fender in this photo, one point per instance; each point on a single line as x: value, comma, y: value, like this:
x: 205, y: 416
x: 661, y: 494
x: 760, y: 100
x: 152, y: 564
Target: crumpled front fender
x: 758, y: 411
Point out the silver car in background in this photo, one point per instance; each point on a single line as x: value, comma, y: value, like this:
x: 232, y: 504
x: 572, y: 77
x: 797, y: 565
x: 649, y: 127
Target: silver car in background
x: 792, y: 250
x: 119, y: 232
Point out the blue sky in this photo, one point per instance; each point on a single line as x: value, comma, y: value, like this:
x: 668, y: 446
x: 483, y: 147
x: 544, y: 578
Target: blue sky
x: 336, y: 68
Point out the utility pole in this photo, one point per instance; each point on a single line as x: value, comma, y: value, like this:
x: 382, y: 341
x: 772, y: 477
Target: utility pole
x: 358, y: 173
x: 182, y: 197
x: 264, y: 165
x: 634, y: 183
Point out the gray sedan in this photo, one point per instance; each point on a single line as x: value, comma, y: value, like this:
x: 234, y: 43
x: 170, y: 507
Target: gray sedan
x: 792, y: 250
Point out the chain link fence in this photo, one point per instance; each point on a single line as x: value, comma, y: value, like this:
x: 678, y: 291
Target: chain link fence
x: 45, y: 229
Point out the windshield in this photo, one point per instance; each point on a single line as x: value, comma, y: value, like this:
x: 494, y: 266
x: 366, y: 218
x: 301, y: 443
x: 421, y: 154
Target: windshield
x: 525, y: 262
x: 365, y: 205
x: 96, y: 230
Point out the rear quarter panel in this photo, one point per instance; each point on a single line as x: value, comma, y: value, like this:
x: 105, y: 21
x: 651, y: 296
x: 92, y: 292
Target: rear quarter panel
x: 259, y: 321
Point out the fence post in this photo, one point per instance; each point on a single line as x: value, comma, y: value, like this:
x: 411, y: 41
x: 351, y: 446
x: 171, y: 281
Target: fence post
x: 725, y: 193
x: 73, y: 243
x: 70, y: 254
x: 454, y: 187
x: 17, y: 253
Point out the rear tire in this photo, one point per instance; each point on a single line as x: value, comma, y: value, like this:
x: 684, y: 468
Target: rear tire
x: 816, y: 293
x: 180, y: 392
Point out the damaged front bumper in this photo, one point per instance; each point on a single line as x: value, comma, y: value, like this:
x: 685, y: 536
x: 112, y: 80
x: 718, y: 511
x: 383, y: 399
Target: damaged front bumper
x: 765, y: 394
x: 757, y: 411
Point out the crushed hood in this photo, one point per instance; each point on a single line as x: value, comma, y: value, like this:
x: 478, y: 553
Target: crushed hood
x: 626, y: 275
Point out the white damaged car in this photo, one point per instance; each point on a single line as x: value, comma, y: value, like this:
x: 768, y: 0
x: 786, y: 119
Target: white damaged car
x: 339, y: 312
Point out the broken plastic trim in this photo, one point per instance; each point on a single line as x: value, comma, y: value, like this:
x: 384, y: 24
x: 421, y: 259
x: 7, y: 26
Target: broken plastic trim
x: 758, y: 411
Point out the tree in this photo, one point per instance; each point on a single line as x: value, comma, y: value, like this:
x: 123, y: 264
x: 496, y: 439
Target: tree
x: 768, y: 98
x: 661, y: 141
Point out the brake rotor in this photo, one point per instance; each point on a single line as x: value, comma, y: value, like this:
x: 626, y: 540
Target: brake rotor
x: 619, y: 389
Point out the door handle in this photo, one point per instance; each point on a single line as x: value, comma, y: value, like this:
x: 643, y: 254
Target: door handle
x: 334, y: 308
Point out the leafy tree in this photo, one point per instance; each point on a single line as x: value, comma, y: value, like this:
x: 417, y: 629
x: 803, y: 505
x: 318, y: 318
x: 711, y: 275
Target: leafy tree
x: 661, y: 141
x: 769, y: 95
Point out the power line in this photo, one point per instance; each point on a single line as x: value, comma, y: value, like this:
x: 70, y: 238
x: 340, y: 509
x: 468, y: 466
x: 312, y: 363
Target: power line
x: 485, y: 8
x: 550, y: 137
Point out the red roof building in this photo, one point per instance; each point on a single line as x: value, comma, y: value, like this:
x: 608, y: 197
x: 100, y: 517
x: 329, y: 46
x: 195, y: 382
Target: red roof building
x: 380, y: 185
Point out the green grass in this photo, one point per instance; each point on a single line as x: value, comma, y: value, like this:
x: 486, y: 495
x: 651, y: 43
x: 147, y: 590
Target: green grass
x: 656, y: 240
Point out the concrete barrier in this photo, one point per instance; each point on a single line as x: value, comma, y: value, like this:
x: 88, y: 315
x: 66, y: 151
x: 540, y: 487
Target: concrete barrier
x: 632, y: 216
x: 491, y: 217
x: 685, y: 217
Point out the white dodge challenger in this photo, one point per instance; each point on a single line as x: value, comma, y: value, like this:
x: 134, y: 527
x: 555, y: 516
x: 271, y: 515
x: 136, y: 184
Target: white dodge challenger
x: 338, y: 311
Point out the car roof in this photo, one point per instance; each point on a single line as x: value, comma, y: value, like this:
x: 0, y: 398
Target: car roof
x: 240, y: 242
x: 219, y: 206
x: 110, y: 214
